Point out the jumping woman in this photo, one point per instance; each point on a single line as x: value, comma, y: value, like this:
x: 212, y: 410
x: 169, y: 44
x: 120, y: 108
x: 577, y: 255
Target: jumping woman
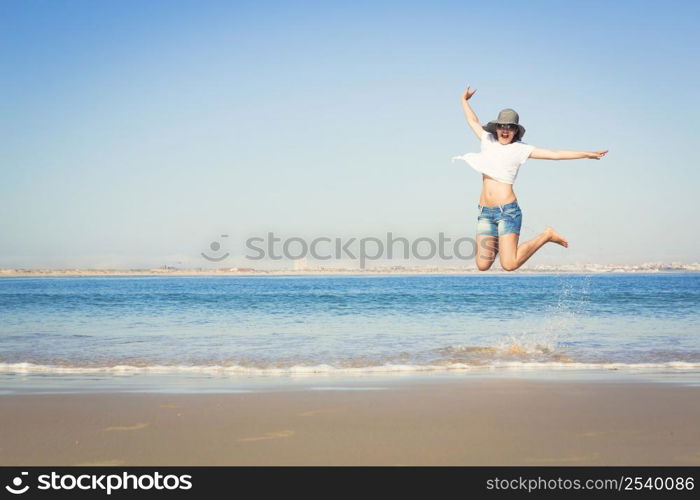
x: 502, y: 154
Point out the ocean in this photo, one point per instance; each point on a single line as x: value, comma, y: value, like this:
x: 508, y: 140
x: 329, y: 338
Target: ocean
x: 230, y: 333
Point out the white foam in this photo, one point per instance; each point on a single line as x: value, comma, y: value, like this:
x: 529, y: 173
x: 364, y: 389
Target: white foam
x: 31, y: 368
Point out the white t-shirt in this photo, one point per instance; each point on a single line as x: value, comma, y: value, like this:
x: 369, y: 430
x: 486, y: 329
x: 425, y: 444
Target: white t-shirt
x: 497, y: 160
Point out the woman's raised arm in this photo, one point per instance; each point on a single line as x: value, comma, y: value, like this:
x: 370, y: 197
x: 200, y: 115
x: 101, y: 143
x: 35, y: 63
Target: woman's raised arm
x: 472, y: 119
x: 548, y: 154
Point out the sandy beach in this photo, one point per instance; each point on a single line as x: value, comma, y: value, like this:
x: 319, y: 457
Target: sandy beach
x: 469, y: 422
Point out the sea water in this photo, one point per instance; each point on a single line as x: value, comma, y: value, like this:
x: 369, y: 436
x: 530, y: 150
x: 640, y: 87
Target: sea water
x: 224, y: 332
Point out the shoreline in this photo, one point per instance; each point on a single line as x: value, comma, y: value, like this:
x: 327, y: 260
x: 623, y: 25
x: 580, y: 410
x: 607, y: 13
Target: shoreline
x: 27, y: 378
x: 459, y: 422
x: 12, y: 273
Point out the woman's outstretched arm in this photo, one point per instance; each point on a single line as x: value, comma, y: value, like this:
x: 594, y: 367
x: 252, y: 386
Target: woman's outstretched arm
x: 547, y: 154
x: 472, y: 119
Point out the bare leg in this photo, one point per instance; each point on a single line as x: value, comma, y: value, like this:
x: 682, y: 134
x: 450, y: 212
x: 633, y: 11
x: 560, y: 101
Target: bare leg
x: 486, y: 250
x: 513, y: 255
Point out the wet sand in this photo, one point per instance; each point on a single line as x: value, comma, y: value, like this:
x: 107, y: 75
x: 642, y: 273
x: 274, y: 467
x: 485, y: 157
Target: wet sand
x: 470, y: 422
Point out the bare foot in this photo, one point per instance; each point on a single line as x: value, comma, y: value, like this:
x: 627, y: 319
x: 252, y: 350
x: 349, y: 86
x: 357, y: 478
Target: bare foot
x: 555, y: 237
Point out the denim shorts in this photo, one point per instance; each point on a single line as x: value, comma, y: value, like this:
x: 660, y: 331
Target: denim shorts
x: 499, y: 220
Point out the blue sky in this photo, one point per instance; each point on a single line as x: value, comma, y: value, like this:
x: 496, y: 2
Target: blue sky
x: 135, y: 133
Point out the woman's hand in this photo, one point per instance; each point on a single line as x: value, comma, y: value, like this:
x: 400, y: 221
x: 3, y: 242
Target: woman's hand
x: 467, y: 94
x: 596, y: 155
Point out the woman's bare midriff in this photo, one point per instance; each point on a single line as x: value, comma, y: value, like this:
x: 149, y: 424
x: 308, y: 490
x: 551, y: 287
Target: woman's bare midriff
x: 496, y: 193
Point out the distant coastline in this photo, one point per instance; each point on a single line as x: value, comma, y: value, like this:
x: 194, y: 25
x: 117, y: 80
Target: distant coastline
x: 647, y: 268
